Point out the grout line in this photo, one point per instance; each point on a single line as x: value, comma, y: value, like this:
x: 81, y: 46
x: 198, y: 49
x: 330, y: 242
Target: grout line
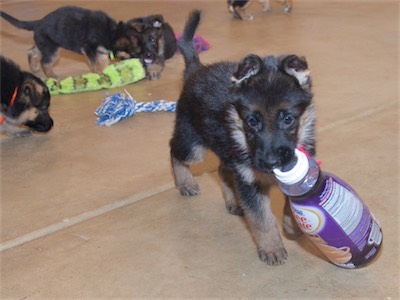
x: 68, y: 222
x: 357, y: 117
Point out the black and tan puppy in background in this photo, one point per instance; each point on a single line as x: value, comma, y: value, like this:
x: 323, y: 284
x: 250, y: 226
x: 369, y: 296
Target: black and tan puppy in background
x: 84, y: 31
x: 253, y: 114
x: 158, y: 43
x: 238, y: 7
x: 25, y: 101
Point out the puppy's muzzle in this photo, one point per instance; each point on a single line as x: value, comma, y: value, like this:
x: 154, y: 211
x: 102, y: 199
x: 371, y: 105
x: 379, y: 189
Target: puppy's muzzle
x: 148, y: 58
x: 41, y: 124
x: 277, y: 158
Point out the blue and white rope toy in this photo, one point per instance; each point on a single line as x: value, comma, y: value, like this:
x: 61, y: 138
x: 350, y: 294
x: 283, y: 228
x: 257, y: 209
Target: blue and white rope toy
x: 117, y: 107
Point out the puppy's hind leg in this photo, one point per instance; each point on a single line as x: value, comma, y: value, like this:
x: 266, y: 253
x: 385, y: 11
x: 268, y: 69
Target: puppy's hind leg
x: 98, y: 59
x: 184, y: 153
x: 184, y: 180
x: 290, y: 227
x: 47, y: 64
x: 34, y: 57
x: 49, y: 54
x: 229, y: 190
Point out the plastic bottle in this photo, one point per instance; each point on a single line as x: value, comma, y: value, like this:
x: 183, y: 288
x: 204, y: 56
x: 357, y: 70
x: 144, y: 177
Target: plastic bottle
x: 330, y: 213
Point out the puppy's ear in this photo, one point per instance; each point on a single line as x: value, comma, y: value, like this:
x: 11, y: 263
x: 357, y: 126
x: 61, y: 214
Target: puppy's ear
x: 136, y: 24
x: 297, y: 67
x: 122, y: 27
x: 157, y: 21
x: 247, y: 68
x: 32, y: 90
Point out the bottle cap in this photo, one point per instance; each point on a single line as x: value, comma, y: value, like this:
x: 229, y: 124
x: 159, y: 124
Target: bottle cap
x: 298, y: 171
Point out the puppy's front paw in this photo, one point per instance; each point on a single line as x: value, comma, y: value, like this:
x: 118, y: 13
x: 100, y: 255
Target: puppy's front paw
x: 273, y: 258
x: 17, y: 131
x: 23, y: 133
x: 153, y: 75
x: 153, y: 71
x: 189, y: 189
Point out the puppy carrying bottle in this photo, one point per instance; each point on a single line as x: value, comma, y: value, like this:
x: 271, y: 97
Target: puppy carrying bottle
x: 330, y: 213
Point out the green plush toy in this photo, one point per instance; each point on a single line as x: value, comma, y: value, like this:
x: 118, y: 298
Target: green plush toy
x: 116, y: 75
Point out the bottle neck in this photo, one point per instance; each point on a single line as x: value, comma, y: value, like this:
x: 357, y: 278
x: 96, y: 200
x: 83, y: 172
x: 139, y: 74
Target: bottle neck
x: 309, y: 188
x: 295, y: 171
x: 301, y: 178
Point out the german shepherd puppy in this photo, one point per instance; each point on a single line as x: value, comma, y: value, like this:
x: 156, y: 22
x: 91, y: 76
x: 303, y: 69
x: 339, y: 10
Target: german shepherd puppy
x: 25, y: 101
x: 238, y: 7
x: 158, y: 43
x: 252, y: 114
x: 92, y: 33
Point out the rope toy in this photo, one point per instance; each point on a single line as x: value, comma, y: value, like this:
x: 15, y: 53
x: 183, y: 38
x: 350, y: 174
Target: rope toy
x: 117, y: 107
x: 115, y: 75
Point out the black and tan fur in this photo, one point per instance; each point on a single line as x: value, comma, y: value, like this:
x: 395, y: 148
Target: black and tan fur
x: 158, y: 43
x: 25, y: 101
x: 252, y: 114
x: 238, y: 7
x: 89, y: 32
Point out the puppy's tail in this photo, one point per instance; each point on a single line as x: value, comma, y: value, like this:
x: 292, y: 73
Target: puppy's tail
x: 27, y: 25
x: 186, y: 46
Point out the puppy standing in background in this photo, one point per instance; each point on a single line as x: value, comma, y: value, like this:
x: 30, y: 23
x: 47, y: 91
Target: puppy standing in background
x: 252, y: 114
x: 236, y: 7
x: 25, y: 101
x: 84, y: 31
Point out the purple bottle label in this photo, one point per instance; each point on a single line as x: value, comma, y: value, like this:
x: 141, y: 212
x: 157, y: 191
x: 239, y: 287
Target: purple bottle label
x: 340, y: 225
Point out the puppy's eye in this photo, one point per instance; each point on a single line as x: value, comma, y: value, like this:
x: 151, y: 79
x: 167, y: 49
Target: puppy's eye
x: 288, y: 120
x: 27, y: 90
x: 152, y: 39
x: 254, y: 123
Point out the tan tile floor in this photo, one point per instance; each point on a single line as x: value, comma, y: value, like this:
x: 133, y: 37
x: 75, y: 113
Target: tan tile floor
x: 89, y: 212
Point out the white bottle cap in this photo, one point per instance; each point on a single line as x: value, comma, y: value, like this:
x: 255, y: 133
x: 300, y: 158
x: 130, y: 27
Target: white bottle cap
x: 297, y: 173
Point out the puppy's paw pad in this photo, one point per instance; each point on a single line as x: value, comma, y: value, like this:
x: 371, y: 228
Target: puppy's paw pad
x: 273, y: 258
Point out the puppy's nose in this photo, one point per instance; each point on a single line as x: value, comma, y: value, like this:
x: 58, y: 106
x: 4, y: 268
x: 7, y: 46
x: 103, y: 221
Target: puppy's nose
x: 279, y: 157
x: 45, y: 127
x: 269, y: 161
x: 285, y: 154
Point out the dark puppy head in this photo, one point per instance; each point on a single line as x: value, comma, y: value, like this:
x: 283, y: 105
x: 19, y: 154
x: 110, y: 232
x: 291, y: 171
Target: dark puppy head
x: 271, y: 97
x: 25, y: 99
x: 128, y: 41
x: 158, y: 43
x: 152, y: 47
x: 151, y: 30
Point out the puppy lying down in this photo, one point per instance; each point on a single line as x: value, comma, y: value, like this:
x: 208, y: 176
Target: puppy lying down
x: 25, y: 101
